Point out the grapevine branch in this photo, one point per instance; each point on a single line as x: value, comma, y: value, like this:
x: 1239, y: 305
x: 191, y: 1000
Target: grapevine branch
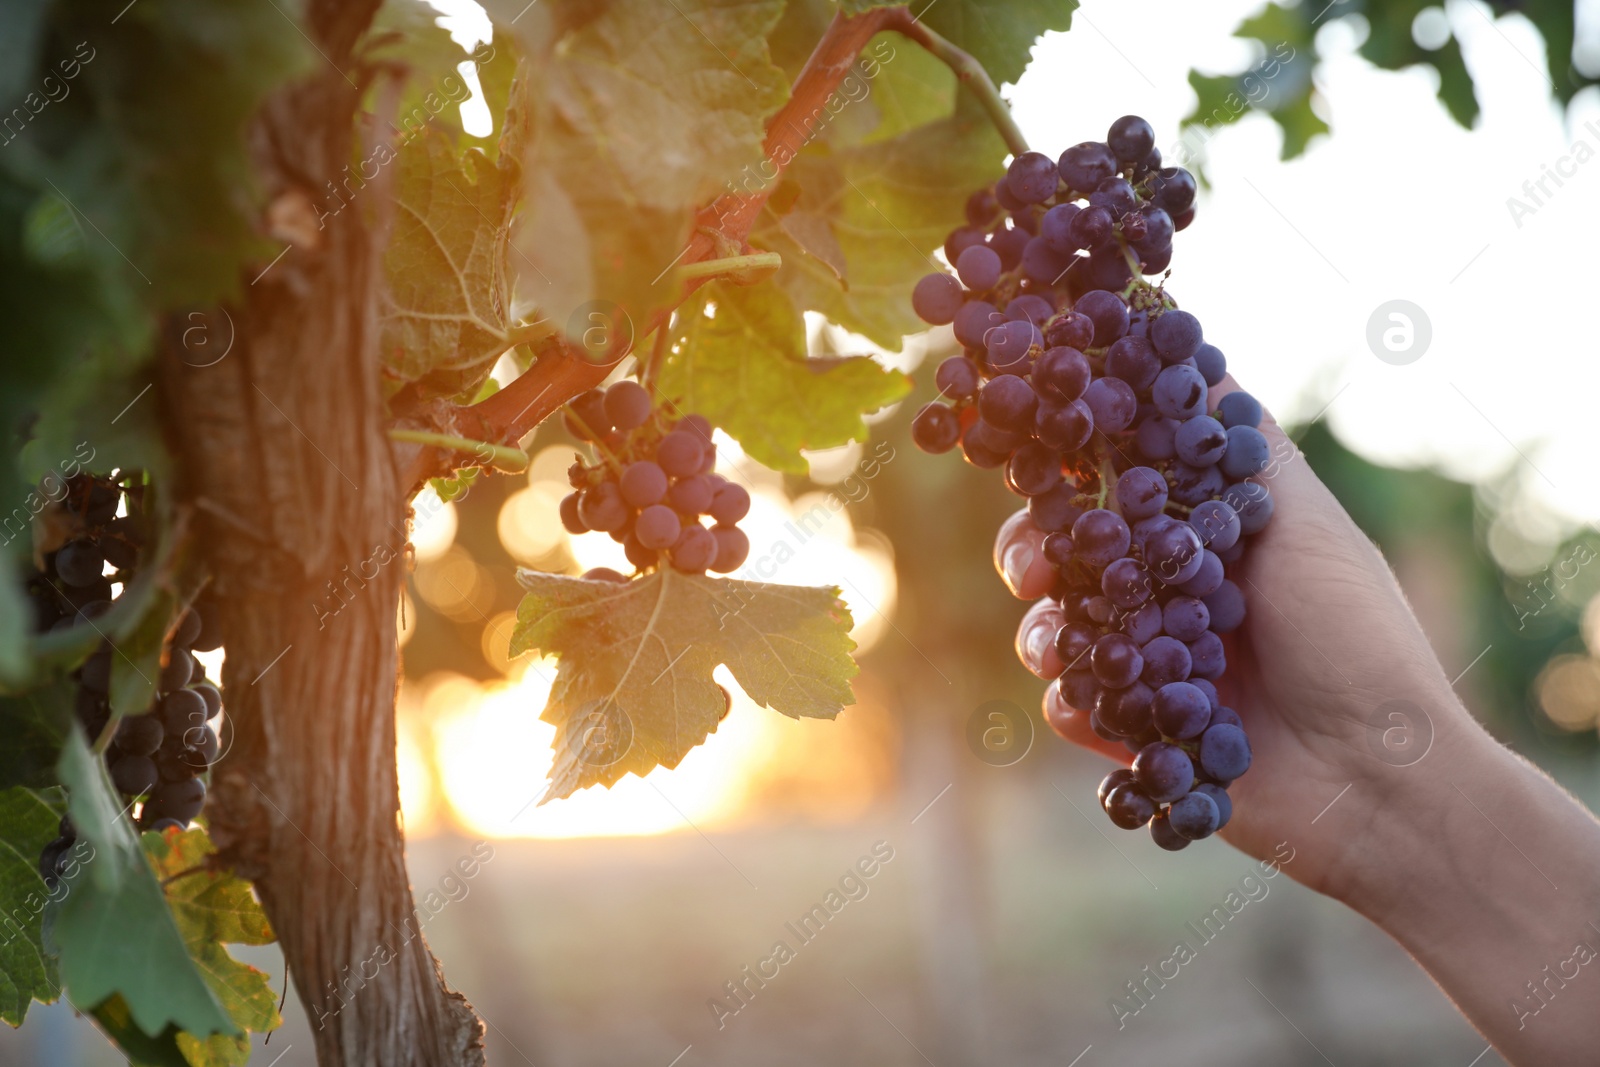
x: 967, y: 70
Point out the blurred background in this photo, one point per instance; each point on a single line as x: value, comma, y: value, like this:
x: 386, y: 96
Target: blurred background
x: 601, y: 929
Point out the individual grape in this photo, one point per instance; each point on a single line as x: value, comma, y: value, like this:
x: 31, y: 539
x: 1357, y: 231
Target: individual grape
x: 937, y: 297
x: 979, y: 268
x: 1029, y: 307
x: 1120, y: 776
x: 1157, y: 230
x: 960, y: 240
x: 1163, y: 771
x: 981, y: 207
x: 180, y: 800
x: 1254, y: 504
x: 211, y: 695
x: 1143, y: 624
x: 1129, y: 808
x: 1141, y: 493
x: 1058, y: 549
x: 1126, y: 583
x: 586, y: 416
x: 692, y: 495
x: 202, y: 753
x: 958, y: 378
x: 657, y: 527
x: 1240, y: 409
x: 1201, y: 441
x: 627, y: 404
x: 1032, y: 177
x: 1205, y: 686
x: 1054, y: 511
x: 602, y: 574
x: 1224, y: 753
x: 1112, y: 402
x: 1074, y: 642
x: 1116, y: 661
x: 694, y: 550
x: 95, y: 676
x: 1217, y: 524
x: 1192, y: 486
x: 637, y: 553
x: 1061, y: 373
x: 1194, y: 816
x: 1181, y: 711
x: 1179, y: 393
x: 56, y: 860
x: 178, y: 671
x: 79, y: 564
x: 1207, y: 654
x: 1007, y: 198
x: 680, y: 454
x: 1174, y: 189
x: 730, y: 503
x: 1207, y: 579
x: 1132, y: 228
x: 1174, y: 554
x: 1220, y: 714
x: 733, y: 548
x: 1126, y: 711
x: 1134, y: 361
x: 1162, y: 833
x: 1130, y: 138
x: 1116, y: 195
x: 1248, y: 453
x: 936, y: 429
x: 1043, y: 264
x: 974, y: 320
x: 1185, y: 617
x: 133, y: 775
x: 1219, y: 797
x: 1008, y: 344
x: 601, y: 508
x: 1091, y: 228
x: 1100, y: 610
x: 1008, y: 402
x: 1226, y: 605
x: 1065, y: 427
x: 140, y: 735
x: 1209, y: 361
x: 1107, y: 268
x: 976, y: 449
x: 1055, y: 228
x: 1100, y: 536
x: 1144, y: 529
x: 1108, y: 313
x: 1176, y: 336
x: 643, y: 483
x: 182, y: 709
x: 1008, y: 244
x: 1156, y: 437
x: 1098, y: 725
x: 1080, y: 689
x: 1033, y: 468
x: 1086, y: 165
x: 1070, y: 329
x: 1166, y: 659
x: 188, y: 628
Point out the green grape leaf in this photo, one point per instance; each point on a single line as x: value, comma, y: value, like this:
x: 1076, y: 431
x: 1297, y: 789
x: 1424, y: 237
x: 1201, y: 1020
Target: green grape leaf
x: 999, y: 34
x: 28, y: 822
x: 746, y: 370
x: 408, y: 32
x: 113, y: 931
x: 1279, y: 84
x: 211, y: 908
x: 458, y: 485
x: 160, y: 1050
x: 637, y: 113
x: 634, y: 689
x: 34, y: 725
x: 448, y: 299
x: 136, y: 657
x: 1390, y: 45
x: 890, y: 204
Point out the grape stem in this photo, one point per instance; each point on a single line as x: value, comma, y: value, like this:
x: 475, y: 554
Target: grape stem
x: 501, y: 457
x: 967, y: 70
x: 651, y: 371
x: 746, y: 269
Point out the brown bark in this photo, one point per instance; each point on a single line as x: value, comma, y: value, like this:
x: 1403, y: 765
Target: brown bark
x: 282, y: 452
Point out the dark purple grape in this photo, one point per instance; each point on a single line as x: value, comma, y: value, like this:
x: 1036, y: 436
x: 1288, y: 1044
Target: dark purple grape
x: 95, y: 675
x: 180, y: 800
x: 643, y: 483
x: 134, y: 775
x: 958, y: 378
x: 1006, y: 198
x: 1100, y: 610
x: 1217, y: 524
x: 211, y: 695
x: 1098, y: 725
x: 960, y: 240
x: 1181, y: 711
x: 692, y: 495
x: 1207, y: 579
x: 1201, y: 441
x: 79, y: 564
x: 1162, y: 833
x: 1174, y: 190
x: 1120, y: 776
x: 601, y: 507
x: 1033, y: 468
x: 1129, y: 808
x: 1108, y: 313
x: 1157, y: 230
x: 1194, y: 816
x: 1176, y: 336
x: 200, y: 748
x: 730, y: 503
x: 1126, y: 583
x: 976, y: 318
x: 1130, y: 139
x: 1092, y: 227
x: 1143, y: 624
x: 1064, y: 427
x: 936, y: 429
x: 1008, y: 244
x: 1181, y: 219
x: 1219, y: 797
x: 177, y: 672
x: 1209, y: 361
x: 1116, y: 661
x: 1185, y: 617
x: 1134, y: 361
x: 1115, y: 195
x: 733, y: 548
x: 1208, y: 656
x: 1141, y: 493
x: 1239, y: 409
x: 1061, y: 373
x: 1226, y: 605
x: 680, y: 454
x: 1054, y: 511
x: 1029, y: 307
x: 1008, y: 345
x: 1126, y: 711
x: 1070, y: 329
x: 978, y: 451
x: 1073, y: 644
x: 937, y: 298
x: 979, y: 268
x: 1058, y: 548
x: 1179, y: 393
x: 1112, y: 402
x: 1254, y: 504
x: 1192, y: 486
x: 1166, y: 660
x: 1209, y: 690
x: 602, y: 574
x: 1155, y: 437
x: 1100, y: 536
x: 1247, y: 453
x: 1008, y: 402
x: 982, y: 207
x: 1163, y: 771
x: 586, y: 416
x: 1080, y: 689
x: 657, y: 527
x: 627, y: 404
x: 1224, y: 753
x: 1221, y: 714
x: 1086, y: 165
x: 1173, y: 553
x: 1043, y: 264
x: 1132, y: 227
x: 1055, y: 228
x: 140, y: 735
x: 694, y: 550
x: 1032, y: 177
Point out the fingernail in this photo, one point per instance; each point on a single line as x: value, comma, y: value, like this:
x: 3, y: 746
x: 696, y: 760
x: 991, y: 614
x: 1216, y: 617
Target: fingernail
x: 1016, y: 561
x: 1039, y: 639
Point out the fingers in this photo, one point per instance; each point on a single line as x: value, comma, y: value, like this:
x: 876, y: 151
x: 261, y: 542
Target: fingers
x: 1073, y: 725
x: 1036, y: 638
x: 1019, y: 557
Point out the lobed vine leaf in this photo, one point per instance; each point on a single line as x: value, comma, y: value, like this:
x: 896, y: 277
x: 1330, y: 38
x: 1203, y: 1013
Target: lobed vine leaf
x: 28, y: 822
x: 999, y: 34
x: 744, y: 367
x: 34, y: 724
x: 634, y: 689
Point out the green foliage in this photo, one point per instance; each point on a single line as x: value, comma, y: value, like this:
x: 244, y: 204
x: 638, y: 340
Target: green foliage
x: 34, y: 724
x: 1279, y: 84
x: 634, y: 688
x: 113, y: 931
x: 999, y: 34
x: 746, y: 370
x: 27, y: 823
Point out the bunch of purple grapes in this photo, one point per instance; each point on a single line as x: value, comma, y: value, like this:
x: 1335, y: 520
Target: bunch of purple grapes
x: 652, y: 482
x: 1089, y: 386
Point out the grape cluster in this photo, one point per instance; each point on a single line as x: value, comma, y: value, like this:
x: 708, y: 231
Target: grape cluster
x: 1089, y: 386
x: 161, y: 754
x: 652, y: 483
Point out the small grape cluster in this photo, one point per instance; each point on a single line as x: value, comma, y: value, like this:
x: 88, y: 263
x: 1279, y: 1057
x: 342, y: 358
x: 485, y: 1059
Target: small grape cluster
x: 1089, y: 386
x: 652, y: 483
x: 158, y: 755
